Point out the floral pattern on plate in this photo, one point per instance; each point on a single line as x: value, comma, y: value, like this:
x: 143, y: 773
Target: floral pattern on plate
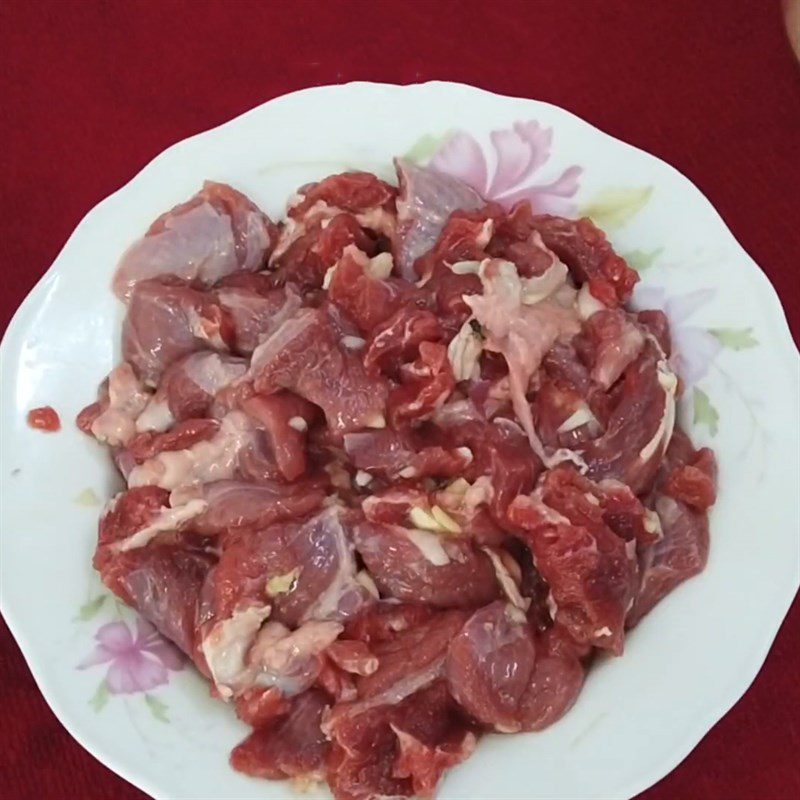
x: 138, y: 660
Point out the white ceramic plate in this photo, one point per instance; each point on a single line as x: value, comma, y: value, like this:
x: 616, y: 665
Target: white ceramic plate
x: 685, y: 665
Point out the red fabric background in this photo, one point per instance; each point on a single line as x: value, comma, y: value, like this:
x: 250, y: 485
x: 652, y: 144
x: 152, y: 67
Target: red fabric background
x: 93, y: 91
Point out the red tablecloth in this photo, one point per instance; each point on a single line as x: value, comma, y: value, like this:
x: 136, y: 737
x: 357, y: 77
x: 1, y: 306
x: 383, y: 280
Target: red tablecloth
x: 93, y: 91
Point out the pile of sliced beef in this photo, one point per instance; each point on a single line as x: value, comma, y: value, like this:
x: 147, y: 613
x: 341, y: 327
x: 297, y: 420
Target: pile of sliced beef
x: 396, y: 468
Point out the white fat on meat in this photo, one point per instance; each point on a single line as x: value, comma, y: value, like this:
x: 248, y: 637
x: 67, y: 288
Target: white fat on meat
x: 332, y: 599
x: 204, y: 330
x: 320, y: 213
x: 523, y: 333
x: 616, y: 355
x: 581, y: 416
x: 168, y: 519
x: 212, y: 372
x: 465, y: 267
x: 587, y: 304
x: 506, y: 581
x: 429, y: 544
x: 326, y: 281
x: 652, y: 523
x: 364, y: 579
x: 289, y: 660
x: 380, y: 266
x: 540, y: 287
x: 378, y: 220
x: 463, y: 498
x: 215, y: 459
x: 209, y: 371
x: 658, y: 444
x: 226, y: 647
x: 127, y: 398
x: 464, y: 351
x: 156, y: 416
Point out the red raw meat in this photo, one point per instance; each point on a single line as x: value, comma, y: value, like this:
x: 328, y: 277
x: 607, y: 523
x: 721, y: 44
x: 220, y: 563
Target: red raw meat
x: 449, y: 572
x: 306, y: 356
x: 410, y: 659
x: 180, y: 436
x: 515, y: 239
x: 334, y: 681
x: 368, y: 301
x: 44, y: 419
x: 583, y: 247
x: 426, y: 386
x: 256, y: 314
x: 235, y: 505
x: 285, y: 418
x: 393, y: 506
x: 447, y: 290
x: 308, y: 257
x: 682, y: 552
x: 126, y: 514
x: 507, y: 679
x: 638, y: 428
x: 562, y: 364
x: 215, y: 233
x: 500, y: 450
x: 591, y: 572
x: 259, y: 707
x: 656, y: 323
x: 401, y: 750
x: 395, y: 455
x: 383, y: 451
x: 382, y: 621
x: 395, y: 468
x: 292, y: 747
x: 188, y: 388
x: 555, y: 406
x: 163, y: 582
x: 352, y: 656
x: 87, y: 416
x: 397, y: 339
x: 695, y: 481
x: 425, y: 202
x: 167, y: 320
x: 464, y: 237
x: 615, y: 342
x: 355, y: 192
x: 312, y: 560
x: 609, y: 502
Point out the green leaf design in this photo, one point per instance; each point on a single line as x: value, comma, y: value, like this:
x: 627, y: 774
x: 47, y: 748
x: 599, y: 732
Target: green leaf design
x: 704, y: 412
x: 157, y: 708
x: 89, y: 609
x: 641, y: 260
x: 88, y: 497
x: 735, y: 338
x: 424, y: 148
x: 614, y: 207
x: 100, y: 697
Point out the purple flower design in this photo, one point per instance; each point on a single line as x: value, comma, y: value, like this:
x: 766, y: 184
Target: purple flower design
x: 519, y: 152
x: 135, y: 664
x: 693, y: 348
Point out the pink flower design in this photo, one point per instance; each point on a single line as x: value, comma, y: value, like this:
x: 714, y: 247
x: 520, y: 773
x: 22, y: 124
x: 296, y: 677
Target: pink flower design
x: 136, y: 664
x: 693, y: 348
x: 519, y: 152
